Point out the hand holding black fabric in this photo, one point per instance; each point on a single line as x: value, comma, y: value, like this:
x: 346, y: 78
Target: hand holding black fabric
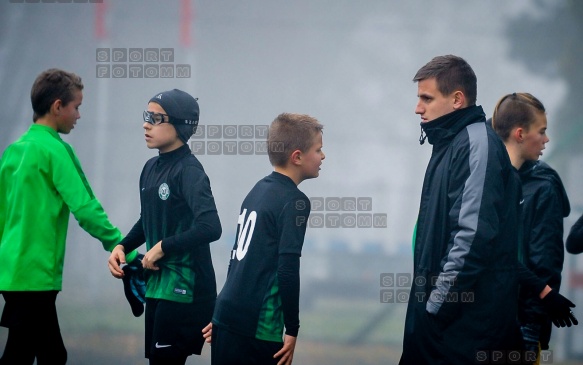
x: 559, y: 309
x: 134, y: 285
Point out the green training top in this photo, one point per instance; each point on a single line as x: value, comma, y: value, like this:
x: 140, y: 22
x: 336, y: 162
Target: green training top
x: 41, y: 182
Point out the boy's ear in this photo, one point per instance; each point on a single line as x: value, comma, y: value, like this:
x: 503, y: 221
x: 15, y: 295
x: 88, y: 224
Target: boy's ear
x: 56, y: 106
x: 518, y: 134
x: 295, y: 157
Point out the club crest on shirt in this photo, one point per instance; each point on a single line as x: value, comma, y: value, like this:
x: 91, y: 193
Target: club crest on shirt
x: 164, y: 191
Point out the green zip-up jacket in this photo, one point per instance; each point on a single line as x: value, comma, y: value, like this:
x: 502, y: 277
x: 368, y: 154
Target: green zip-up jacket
x: 41, y: 182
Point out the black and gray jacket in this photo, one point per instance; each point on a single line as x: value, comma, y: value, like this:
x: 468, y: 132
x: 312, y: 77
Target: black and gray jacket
x: 463, y: 301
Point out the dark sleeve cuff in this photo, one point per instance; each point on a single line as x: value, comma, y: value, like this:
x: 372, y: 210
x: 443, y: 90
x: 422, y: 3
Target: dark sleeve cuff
x: 288, y: 274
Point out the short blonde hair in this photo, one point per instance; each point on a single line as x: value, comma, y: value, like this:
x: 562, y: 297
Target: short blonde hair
x: 289, y: 132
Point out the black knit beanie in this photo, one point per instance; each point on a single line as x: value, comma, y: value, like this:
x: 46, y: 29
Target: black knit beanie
x: 183, y: 110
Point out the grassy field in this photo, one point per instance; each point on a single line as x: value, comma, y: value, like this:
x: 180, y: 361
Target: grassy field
x: 333, y: 332
x: 103, y: 349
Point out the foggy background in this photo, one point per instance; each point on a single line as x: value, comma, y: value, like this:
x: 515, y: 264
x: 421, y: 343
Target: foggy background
x: 347, y: 63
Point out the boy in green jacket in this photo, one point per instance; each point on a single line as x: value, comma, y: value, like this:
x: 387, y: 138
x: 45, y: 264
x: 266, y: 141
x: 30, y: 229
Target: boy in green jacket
x: 41, y: 182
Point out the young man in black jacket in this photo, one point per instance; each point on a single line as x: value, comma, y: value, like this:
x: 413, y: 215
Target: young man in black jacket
x: 463, y: 302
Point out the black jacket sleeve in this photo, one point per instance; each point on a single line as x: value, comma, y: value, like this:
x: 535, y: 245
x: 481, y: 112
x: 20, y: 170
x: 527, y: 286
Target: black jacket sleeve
x: 288, y: 275
x: 545, y: 245
x: 575, y: 238
x: 196, y: 190
x: 135, y: 238
x: 529, y: 281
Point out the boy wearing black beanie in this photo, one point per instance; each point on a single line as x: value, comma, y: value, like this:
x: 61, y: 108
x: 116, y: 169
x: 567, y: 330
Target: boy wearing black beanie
x: 178, y: 222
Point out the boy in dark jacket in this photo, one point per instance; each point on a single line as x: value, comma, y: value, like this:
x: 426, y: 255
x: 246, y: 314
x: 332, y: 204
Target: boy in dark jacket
x: 545, y: 206
x: 520, y: 120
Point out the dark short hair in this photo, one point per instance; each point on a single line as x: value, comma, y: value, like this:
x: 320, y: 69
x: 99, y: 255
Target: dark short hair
x: 515, y: 110
x: 52, y: 85
x: 289, y: 132
x: 451, y: 73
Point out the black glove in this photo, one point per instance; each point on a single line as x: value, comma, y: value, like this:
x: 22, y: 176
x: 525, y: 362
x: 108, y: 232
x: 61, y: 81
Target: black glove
x: 134, y: 285
x: 559, y: 309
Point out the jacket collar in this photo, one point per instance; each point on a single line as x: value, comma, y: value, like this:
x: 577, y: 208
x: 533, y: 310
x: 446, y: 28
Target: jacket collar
x: 174, y: 154
x: 44, y: 128
x: 444, y: 128
x: 539, y: 170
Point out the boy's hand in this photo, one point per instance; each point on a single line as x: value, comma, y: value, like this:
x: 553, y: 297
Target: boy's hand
x: 134, y: 285
x: 150, y: 258
x: 287, y: 351
x: 116, y: 258
x: 207, y: 333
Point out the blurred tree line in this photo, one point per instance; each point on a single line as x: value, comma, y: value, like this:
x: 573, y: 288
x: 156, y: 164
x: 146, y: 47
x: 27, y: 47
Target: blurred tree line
x: 550, y: 43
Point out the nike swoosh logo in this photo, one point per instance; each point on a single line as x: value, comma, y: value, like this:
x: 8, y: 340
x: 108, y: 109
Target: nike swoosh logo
x: 158, y: 346
x: 522, y: 201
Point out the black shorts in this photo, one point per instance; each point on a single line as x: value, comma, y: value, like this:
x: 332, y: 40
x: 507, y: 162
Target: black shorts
x: 33, y: 328
x: 29, y: 309
x: 174, y: 329
x: 229, y: 348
